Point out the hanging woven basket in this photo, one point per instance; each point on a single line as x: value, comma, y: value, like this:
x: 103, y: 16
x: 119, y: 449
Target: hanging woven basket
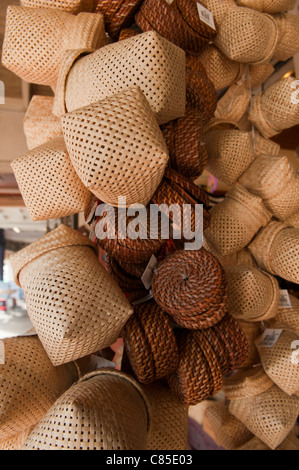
x: 269, y: 6
x: 60, y: 273
x: 288, y: 45
x: 246, y: 383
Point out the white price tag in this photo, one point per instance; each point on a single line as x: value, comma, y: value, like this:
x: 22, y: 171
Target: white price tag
x: 2, y: 353
x: 147, y: 276
x: 98, y: 362
x: 269, y: 338
x: 206, y: 16
x: 284, y: 299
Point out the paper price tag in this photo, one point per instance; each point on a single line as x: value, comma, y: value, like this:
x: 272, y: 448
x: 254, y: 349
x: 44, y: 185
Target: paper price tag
x: 206, y: 16
x: 147, y: 276
x: 2, y: 353
x: 98, y: 362
x: 284, y: 299
x: 269, y: 338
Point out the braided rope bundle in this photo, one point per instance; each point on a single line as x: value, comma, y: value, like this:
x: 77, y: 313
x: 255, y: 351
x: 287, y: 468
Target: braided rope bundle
x: 118, y: 14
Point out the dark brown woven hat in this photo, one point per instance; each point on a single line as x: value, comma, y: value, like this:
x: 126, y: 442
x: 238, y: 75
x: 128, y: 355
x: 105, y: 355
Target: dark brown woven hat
x: 118, y: 14
x: 150, y: 343
x: 190, y: 286
x: 126, y: 281
x: 127, y: 33
x: 189, y: 11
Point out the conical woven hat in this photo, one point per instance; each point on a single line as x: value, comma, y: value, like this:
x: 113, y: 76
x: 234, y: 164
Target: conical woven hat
x: 287, y: 318
x: 92, y: 308
x: 15, y: 442
x: 253, y: 295
x: 105, y: 410
x: 228, y: 431
x: 270, y: 415
x: 34, y: 53
x: 247, y: 36
x: 236, y: 220
x: 122, y: 151
x: 169, y: 429
x: 276, y: 181
x: 29, y: 384
x: 48, y: 182
x: 40, y: 124
x: 70, y: 6
x: 269, y: 6
x: 252, y: 331
x: 234, y: 103
x: 246, y: 383
x: 117, y: 14
x: 280, y: 364
x: 288, y: 46
x: 127, y: 63
x: 275, y: 109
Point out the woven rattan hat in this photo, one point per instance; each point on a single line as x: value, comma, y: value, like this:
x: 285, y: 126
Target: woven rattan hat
x: 253, y: 295
x: 252, y: 331
x: 235, y: 103
x: 128, y: 283
x: 269, y: 6
x: 246, y: 383
x: 105, y: 410
x: 288, y: 45
x: 70, y: 6
x: 243, y: 256
x: 29, y: 384
x: 169, y: 429
x: 34, y: 53
x: 73, y: 303
x: 276, y: 181
x: 275, y: 249
x: 122, y: 152
x: 291, y: 442
x: 287, y: 318
x: 227, y: 430
x: 247, y: 36
x: 270, y: 416
x: 40, y: 124
x: 236, y: 220
x: 147, y: 60
x: 118, y: 14
x: 190, y: 286
x: 278, y: 362
x: 274, y: 110
x: 48, y: 182
x: 150, y: 343
x: 15, y: 442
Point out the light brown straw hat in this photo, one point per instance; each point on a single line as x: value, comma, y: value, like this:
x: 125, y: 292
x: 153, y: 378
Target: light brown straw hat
x: 70, y: 6
x: 73, y: 303
x: 35, y: 39
x: 270, y: 416
x: 279, y: 362
x: 169, y: 429
x: 40, y: 124
x: 29, y: 385
x: 253, y: 295
x: 235, y: 102
x: 242, y: 256
x: 15, y: 442
x: 269, y: 6
x: 48, y: 182
x: 274, y: 110
x: 236, y: 220
x: 104, y: 410
x: 117, y: 148
x: 246, y: 383
x: 276, y: 181
x: 288, y: 45
x: 287, y: 318
x: 147, y: 60
x: 259, y: 74
x: 275, y: 249
x: 291, y: 442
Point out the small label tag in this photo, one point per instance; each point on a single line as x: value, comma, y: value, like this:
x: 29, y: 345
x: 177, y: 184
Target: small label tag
x: 169, y: 2
x: 284, y: 299
x: 268, y: 338
x: 147, y: 276
x: 2, y: 353
x: 98, y: 362
x: 206, y: 16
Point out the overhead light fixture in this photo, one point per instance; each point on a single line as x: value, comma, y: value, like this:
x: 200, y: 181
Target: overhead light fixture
x: 17, y: 230
x: 288, y: 74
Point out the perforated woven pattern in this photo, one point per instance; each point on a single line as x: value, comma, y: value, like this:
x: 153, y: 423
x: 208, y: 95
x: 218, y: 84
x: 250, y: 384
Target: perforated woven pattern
x: 70, y: 6
x: 29, y: 384
x: 234, y: 104
x: 35, y: 39
x: 252, y: 331
x: 104, y: 412
x: 274, y: 110
x: 236, y: 220
x: 260, y: 73
x: 48, y: 182
x: 276, y: 181
x: 288, y: 44
x: 246, y: 383
x: 287, y: 318
x: 15, y: 442
x: 269, y: 6
x: 270, y: 415
x: 218, y: 8
x: 253, y: 295
x: 118, y: 14
x: 117, y: 148
x: 146, y: 60
x: 40, y: 124
x: 247, y: 36
x: 220, y: 69
x: 284, y: 255
x: 293, y: 221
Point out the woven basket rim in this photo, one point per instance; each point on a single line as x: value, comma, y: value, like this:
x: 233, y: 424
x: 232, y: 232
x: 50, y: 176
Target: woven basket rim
x: 244, y: 383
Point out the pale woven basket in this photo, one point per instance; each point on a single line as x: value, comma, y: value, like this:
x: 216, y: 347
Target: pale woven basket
x: 29, y: 385
x: 270, y: 416
x: 288, y: 45
x: 291, y: 442
x: 60, y: 273
x: 15, y: 442
x: 121, y: 151
x: 35, y: 39
x: 147, y: 60
x: 253, y: 295
x: 275, y: 109
x: 236, y: 220
x: 246, y: 383
x: 293, y: 220
x: 40, y: 124
x: 287, y: 318
x: 218, y: 8
x: 247, y: 36
x: 269, y: 6
x: 105, y: 410
x: 48, y: 182
x: 70, y: 6
x: 259, y: 74
x: 235, y: 103
x: 242, y: 256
